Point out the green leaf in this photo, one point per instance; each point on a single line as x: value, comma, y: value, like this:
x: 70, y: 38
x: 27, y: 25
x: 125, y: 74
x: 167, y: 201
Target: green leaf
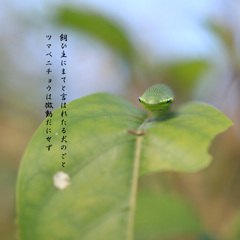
x: 103, y: 161
x: 99, y: 27
x: 165, y: 215
x: 183, y: 75
x: 180, y: 142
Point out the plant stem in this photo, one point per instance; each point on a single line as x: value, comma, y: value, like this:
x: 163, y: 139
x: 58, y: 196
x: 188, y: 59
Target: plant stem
x: 133, y: 194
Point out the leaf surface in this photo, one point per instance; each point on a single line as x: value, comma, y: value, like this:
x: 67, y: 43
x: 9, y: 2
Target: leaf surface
x: 104, y: 162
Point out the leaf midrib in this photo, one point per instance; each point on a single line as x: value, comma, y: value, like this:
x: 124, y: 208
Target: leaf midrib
x: 133, y: 192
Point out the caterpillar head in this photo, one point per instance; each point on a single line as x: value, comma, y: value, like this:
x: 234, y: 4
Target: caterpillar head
x: 158, y: 97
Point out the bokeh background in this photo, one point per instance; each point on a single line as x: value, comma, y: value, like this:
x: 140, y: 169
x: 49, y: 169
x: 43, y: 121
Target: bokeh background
x: 123, y: 47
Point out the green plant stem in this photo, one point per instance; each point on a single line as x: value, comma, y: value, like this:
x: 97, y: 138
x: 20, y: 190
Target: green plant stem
x: 133, y: 194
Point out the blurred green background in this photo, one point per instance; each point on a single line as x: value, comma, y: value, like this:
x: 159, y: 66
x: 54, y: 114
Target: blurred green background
x: 124, y: 48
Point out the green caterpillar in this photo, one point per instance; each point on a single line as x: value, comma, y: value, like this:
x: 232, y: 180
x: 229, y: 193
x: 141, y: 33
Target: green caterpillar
x: 157, y: 98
